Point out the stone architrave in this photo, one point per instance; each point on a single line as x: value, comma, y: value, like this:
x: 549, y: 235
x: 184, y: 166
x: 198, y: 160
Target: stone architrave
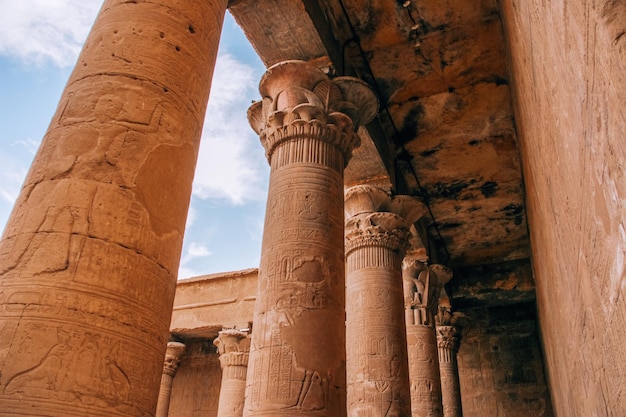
x: 448, y: 345
x: 90, y: 254
x: 377, y: 236
x: 422, y: 285
x: 307, y: 124
x: 234, y: 348
x: 172, y: 359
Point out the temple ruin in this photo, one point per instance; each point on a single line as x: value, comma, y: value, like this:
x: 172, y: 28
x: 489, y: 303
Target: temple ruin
x: 445, y: 227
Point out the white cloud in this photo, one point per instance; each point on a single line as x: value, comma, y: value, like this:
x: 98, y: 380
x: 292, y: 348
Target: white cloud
x: 231, y: 160
x: 41, y: 31
x: 195, y: 250
x: 192, y: 251
x: 14, y: 166
x: 13, y: 169
x: 185, y: 272
x: 29, y: 145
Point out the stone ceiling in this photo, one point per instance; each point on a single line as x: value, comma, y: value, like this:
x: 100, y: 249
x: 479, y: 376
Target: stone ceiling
x: 445, y: 131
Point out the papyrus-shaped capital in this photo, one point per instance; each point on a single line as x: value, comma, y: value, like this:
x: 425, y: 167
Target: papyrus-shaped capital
x: 300, y: 101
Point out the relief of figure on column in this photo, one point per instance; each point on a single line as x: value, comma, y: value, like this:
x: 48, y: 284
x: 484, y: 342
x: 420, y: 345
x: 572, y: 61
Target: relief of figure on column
x: 104, y: 128
x: 51, y: 377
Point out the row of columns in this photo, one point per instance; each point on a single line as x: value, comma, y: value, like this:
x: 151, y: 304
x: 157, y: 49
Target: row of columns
x: 89, y: 256
x: 378, y: 383
x: 297, y: 361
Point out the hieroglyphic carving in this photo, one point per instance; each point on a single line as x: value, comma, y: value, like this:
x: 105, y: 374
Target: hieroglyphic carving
x: 81, y: 365
x: 378, y: 382
x: 424, y: 372
x: 307, y: 124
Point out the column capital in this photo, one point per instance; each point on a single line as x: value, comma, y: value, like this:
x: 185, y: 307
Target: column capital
x: 233, y: 347
x: 173, y: 354
x: 423, y: 283
x: 361, y: 199
x: 386, y: 230
x: 300, y: 101
x: 375, y: 218
x: 447, y: 337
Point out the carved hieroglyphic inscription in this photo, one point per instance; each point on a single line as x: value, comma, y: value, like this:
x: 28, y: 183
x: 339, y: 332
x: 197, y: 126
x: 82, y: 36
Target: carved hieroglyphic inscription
x: 88, y: 259
x: 424, y: 372
x: 76, y: 366
x: 307, y: 125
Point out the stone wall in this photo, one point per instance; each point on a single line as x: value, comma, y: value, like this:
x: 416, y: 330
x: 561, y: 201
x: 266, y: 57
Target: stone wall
x: 500, y: 364
x: 568, y: 65
x: 196, y: 387
x: 206, y: 304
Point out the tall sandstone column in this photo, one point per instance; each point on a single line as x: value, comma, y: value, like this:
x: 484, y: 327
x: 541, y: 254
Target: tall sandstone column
x: 447, y: 342
x: 170, y: 365
x: 377, y: 236
x: 234, y: 349
x: 89, y: 257
x: 423, y: 284
x: 448, y: 345
x: 307, y: 125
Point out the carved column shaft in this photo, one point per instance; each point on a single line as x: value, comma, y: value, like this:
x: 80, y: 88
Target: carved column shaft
x: 422, y: 294
x: 307, y: 126
x: 234, y: 348
x: 447, y: 342
x: 89, y: 257
x: 377, y: 365
x: 170, y: 367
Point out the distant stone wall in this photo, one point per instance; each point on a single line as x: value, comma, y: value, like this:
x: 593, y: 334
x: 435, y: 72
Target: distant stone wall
x: 202, y: 307
x: 205, y: 304
x: 568, y: 65
x: 500, y: 364
x: 196, y: 388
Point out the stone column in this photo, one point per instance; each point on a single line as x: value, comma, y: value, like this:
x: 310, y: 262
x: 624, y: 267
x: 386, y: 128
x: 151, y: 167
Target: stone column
x: 90, y: 254
x: 307, y: 125
x: 447, y: 342
x: 422, y: 286
x: 377, y: 236
x: 448, y: 345
x: 233, y: 347
x: 172, y: 359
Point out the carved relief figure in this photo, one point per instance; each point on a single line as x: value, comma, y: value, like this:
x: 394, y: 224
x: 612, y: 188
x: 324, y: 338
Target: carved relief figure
x: 417, y: 276
x: 312, y: 394
x: 49, y: 378
x: 104, y: 130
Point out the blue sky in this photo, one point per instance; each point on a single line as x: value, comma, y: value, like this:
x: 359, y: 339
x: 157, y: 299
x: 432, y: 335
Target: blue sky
x: 39, y: 43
